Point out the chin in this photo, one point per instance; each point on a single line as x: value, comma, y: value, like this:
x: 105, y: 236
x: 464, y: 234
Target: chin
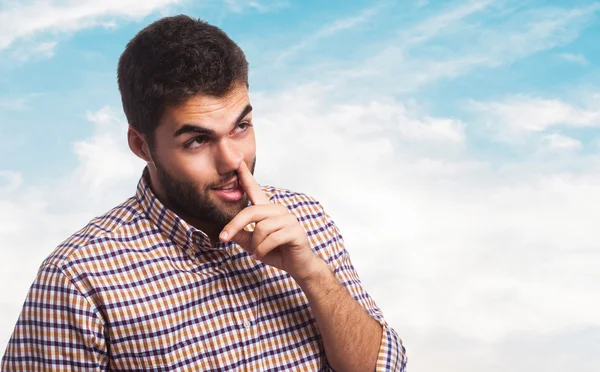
x: 229, y: 209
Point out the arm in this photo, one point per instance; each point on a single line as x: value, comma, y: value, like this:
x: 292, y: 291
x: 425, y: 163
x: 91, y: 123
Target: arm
x: 58, y: 329
x: 390, y: 354
x: 350, y: 335
x: 352, y: 328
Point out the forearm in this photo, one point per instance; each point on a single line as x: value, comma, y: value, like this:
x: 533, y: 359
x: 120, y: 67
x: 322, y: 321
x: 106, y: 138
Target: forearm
x: 350, y: 335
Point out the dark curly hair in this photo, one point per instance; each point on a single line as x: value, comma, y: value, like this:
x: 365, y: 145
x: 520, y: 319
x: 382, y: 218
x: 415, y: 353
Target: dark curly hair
x: 172, y: 60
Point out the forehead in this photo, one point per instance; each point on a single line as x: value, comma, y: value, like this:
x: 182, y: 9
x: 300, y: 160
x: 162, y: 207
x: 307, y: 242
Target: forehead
x: 207, y: 111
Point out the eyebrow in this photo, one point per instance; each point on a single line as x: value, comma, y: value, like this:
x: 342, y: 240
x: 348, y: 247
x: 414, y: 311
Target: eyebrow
x: 186, y: 128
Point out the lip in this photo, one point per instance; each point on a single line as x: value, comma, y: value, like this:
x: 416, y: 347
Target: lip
x: 235, y: 178
x: 230, y: 195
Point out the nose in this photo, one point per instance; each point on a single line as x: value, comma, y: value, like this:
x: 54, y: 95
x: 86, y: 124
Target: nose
x: 228, y: 157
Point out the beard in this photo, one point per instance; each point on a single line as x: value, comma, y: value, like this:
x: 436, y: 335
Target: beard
x: 190, y: 199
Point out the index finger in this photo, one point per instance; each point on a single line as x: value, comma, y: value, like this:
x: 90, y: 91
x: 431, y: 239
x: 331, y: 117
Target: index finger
x: 250, y: 186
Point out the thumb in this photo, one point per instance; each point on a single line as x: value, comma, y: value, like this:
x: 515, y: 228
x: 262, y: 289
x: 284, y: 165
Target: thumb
x: 244, y: 239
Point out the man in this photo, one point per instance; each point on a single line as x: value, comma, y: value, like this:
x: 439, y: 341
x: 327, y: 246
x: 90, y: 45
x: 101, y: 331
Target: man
x: 202, y: 269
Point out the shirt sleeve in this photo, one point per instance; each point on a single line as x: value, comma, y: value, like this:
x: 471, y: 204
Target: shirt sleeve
x: 58, y: 329
x: 392, y: 354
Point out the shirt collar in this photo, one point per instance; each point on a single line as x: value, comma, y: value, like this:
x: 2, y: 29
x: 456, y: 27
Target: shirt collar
x: 169, y: 223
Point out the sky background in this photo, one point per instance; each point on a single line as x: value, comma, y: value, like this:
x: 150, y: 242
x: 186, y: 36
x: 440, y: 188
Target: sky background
x: 455, y: 143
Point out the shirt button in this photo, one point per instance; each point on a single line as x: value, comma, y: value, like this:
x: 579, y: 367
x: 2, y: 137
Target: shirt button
x: 247, y: 324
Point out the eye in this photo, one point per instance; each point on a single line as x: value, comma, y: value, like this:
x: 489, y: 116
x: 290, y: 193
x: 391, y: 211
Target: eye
x: 196, y: 142
x: 241, y: 127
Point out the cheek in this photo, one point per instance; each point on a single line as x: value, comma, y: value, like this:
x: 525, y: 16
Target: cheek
x: 200, y: 173
x: 249, y: 150
x: 193, y: 169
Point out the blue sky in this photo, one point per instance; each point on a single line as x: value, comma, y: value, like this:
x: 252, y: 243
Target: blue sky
x: 455, y: 143
x: 44, y: 97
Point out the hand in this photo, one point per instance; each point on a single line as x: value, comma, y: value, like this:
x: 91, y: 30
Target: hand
x: 278, y: 238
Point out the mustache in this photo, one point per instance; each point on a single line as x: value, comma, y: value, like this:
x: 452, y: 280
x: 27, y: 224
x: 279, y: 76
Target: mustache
x: 223, y: 180
x: 229, y: 176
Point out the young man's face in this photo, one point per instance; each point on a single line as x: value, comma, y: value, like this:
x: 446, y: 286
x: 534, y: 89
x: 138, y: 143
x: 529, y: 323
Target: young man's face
x: 198, y: 147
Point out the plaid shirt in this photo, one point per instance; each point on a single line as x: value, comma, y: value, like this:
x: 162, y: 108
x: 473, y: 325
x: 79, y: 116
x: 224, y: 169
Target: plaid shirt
x: 140, y: 289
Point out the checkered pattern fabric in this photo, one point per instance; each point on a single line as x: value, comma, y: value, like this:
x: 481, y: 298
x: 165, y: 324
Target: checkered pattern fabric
x: 140, y: 289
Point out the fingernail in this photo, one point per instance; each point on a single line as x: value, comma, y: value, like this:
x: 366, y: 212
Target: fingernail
x: 223, y: 235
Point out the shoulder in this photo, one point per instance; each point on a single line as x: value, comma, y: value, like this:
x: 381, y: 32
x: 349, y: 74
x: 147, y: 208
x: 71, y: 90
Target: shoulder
x: 93, y: 239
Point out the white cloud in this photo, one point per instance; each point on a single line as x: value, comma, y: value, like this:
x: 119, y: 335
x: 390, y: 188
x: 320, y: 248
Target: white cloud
x: 55, y: 208
x: 18, y: 103
x: 421, y: 3
x: 442, y: 240
x: 569, y: 350
x: 479, y: 267
x: 578, y: 59
x: 329, y: 30
x: 106, y: 165
x: 25, y: 19
x: 32, y: 27
x: 46, y: 48
x: 454, y: 43
x: 559, y: 142
x: 238, y: 6
x: 29, y: 51
x: 516, y: 117
x: 10, y: 181
x: 14, y: 103
x: 432, y: 26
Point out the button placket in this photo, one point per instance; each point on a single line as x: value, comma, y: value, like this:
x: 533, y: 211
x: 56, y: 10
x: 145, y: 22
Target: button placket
x: 247, y: 315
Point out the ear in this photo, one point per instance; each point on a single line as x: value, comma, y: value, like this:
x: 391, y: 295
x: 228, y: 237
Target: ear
x: 138, y: 144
